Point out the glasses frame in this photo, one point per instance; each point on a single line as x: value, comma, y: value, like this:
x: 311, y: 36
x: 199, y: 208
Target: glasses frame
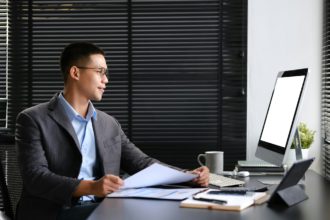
x: 100, y: 70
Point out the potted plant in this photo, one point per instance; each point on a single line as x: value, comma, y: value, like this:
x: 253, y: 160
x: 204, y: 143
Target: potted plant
x: 306, y: 138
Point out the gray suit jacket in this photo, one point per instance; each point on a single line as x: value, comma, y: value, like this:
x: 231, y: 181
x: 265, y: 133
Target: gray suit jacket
x: 50, y: 158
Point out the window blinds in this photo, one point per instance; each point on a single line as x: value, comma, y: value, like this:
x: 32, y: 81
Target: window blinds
x: 177, y: 68
x: 4, y: 21
x: 326, y: 91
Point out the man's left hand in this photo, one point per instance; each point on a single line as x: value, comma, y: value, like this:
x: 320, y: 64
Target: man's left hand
x: 203, y: 176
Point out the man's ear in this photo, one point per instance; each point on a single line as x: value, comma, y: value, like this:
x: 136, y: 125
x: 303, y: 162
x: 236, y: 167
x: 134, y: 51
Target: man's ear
x: 74, y: 73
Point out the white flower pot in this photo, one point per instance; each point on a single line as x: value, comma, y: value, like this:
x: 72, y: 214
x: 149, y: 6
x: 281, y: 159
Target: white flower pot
x: 291, y: 156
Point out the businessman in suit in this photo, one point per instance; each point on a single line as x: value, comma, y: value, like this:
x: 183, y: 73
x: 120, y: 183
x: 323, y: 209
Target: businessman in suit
x: 70, y: 153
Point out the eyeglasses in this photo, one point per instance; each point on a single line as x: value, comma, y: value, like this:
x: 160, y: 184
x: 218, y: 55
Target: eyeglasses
x: 100, y: 70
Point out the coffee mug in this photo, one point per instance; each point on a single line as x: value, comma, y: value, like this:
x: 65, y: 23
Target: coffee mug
x: 213, y: 160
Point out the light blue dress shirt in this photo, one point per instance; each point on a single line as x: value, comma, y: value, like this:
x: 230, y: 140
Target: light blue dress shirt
x: 85, y: 133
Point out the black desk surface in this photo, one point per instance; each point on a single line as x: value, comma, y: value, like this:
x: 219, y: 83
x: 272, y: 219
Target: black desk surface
x: 317, y: 207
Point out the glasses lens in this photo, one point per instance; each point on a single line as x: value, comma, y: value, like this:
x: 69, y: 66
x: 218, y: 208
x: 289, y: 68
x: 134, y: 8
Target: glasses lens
x: 103, y: 71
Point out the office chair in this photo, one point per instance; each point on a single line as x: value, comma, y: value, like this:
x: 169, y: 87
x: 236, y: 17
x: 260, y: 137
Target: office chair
x: 5, y: 202
x: 10, y: 179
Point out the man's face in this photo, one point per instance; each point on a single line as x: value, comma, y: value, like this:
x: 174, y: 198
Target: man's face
x: 92, y: 78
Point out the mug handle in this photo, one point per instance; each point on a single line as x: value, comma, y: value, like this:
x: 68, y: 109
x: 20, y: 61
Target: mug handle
x: 199, y: 159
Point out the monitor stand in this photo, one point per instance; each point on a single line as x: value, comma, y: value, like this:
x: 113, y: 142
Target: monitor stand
x: 297, y: 143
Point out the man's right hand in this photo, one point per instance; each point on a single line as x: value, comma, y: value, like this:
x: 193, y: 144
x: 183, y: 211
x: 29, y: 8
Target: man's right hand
x: 100, y: 188
x: 106, y: 185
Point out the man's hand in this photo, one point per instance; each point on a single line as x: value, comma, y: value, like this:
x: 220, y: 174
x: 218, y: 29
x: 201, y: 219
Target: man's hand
x: 203, y: 176
x: 106, y: 185
x: 100, y: 188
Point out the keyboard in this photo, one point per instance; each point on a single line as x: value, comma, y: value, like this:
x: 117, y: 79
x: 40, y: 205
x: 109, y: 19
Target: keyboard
x: 222, y: 181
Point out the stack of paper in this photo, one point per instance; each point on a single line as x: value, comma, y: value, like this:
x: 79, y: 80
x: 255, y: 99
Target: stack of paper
x: 157, y: 174
x: 235, y: 202
x: 156, y: 193
x: 138, y: 185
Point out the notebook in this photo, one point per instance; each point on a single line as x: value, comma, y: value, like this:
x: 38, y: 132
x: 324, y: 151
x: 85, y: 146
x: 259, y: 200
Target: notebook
x: 235, y: 202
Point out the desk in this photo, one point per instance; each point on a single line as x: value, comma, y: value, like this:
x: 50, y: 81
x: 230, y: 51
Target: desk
x: 317, y: 207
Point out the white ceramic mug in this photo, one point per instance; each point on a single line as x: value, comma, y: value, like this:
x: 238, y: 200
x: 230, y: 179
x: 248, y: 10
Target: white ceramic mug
x: 213, y: 160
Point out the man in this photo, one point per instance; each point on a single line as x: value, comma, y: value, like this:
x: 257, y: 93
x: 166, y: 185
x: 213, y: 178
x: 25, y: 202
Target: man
x: 70, y: 153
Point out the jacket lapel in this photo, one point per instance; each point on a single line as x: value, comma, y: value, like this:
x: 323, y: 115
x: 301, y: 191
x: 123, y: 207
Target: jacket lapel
x: 59, y: 115
x: 98, y: 130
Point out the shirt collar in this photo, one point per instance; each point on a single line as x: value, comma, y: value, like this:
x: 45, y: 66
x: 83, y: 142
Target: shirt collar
x: 72, y: 113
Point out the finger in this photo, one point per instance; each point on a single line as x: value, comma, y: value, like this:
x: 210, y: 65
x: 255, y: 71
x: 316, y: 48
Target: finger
x: 203, y: 182
x: 201, y: 170
x: 115, y: 179
x: 203, y: 179
x: 195, y: 180
x: 200, y: 181
x: 204, y: 175
x: 112, y: 183
x: 195, y: 172
x: 113, y: 189
x: 114, y: 186
x: 204, y: 169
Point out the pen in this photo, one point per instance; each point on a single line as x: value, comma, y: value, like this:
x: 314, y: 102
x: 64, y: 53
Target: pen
x: 239, y: 191
x: 217, y: 201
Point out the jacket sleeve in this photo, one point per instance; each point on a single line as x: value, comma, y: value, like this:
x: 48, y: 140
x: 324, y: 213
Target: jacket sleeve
x: 133, y: 159
x: 38, y: 180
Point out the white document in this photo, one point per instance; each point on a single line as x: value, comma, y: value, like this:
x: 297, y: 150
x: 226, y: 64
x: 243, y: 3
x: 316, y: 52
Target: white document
x: 157, y: 174
x: 156, y: 193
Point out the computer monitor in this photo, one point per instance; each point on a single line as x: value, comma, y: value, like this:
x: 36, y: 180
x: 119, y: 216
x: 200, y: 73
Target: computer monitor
x: 281, y: 119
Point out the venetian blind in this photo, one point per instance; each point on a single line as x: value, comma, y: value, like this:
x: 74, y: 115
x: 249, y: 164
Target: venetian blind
x: 4, y: 32
x: 177, y: 68
x: 326, y: 91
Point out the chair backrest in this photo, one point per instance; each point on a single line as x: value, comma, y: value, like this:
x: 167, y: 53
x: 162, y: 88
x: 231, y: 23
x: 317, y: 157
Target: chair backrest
x: 5, y: 202
x: 10, y: 179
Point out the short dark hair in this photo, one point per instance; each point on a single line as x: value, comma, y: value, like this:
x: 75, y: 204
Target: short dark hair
x: 75, y: 53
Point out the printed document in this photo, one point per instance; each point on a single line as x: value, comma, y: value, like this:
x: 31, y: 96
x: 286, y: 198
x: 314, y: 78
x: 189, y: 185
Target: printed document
x: 157, y: 174
x: 156, y: 193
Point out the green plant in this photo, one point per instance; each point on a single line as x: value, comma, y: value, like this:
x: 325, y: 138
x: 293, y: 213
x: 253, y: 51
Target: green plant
x: 306, y: 136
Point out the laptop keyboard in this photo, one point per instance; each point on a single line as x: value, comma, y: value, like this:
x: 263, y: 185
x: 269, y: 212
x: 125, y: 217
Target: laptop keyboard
x: 222, y: 181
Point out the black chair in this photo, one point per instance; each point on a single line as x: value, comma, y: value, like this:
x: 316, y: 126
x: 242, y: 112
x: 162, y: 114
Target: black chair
x: 5, y: 202
x: 10, y: 177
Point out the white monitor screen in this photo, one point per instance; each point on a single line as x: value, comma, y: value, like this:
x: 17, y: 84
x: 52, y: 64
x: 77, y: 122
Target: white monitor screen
x: 282, y: 110
x: 282, y: 116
